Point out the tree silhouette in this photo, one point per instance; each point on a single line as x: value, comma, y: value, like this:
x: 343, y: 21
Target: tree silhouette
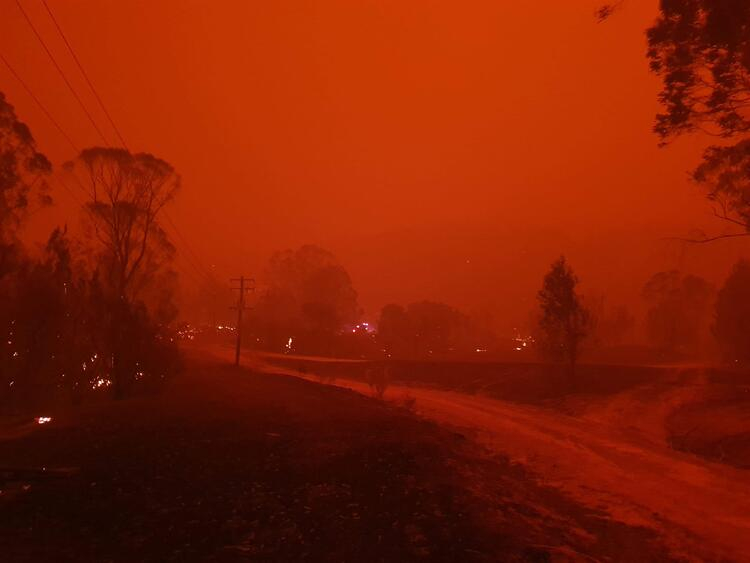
x: 73, y: 323
x: 564, y: 321
x: 679, y: 311
x: 701, y: 50
x: 395, y: 332
x: 437, y: 327
x: 309, y: 297
x: 132, y: 251
x: 127, y: 192
x: 23, y: 172
x: 732, y: 327
x: 428, y: 328
x: 725, y: 172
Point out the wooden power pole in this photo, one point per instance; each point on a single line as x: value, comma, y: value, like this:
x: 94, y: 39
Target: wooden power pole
x: 246, y: 284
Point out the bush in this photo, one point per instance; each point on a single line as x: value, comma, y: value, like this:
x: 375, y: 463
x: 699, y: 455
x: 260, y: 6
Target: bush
x: 378, y: 378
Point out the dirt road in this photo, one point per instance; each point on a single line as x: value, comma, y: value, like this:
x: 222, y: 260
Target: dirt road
x: 614, y: 457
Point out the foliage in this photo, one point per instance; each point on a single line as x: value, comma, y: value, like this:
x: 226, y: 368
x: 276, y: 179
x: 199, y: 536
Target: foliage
x: 564, y: 321
x: 59, y: 341
x: 23, y: 170
x: 395, y: 330
x: 732, y: 326
x: 610, y: 326
x: 725, y: 172
x: 428, y: 328
x: 679, y: 311
x: 127, y: 192
x: 310, y: 298
x: 75, y: 324
x: 132, y: 252
x: 378, y: 378
x: 701, y: 50
x: 605, y: 11
x: 437, y: 328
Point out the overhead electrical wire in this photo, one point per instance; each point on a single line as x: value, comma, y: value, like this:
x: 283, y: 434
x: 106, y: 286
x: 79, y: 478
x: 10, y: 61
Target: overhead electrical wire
x: 205, y: 271
x: 85, y: 74
x: 79, y: 185
x: 61, y: 72
x: 40, y: 104
x: 191, y: 256
x: 52, y: 120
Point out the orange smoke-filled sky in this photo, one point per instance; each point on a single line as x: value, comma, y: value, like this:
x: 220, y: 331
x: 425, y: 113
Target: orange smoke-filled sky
x: 441, y: 150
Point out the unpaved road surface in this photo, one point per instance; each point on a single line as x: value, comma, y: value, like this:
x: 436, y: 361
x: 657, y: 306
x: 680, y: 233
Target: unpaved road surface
x: 614, y: 456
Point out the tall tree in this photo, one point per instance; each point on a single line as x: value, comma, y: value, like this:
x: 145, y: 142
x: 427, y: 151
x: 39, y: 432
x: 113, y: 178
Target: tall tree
x: 310, y: 298
x: 679, y: 311
x: 732, y: 326
x: 23, y: 171
x: 132, y: 252
x: 395, y: 333
x: 610, y: 326
x: 437, y: 328
x: 564, y: 321
x: 429, y: 328
x: 127, y: 192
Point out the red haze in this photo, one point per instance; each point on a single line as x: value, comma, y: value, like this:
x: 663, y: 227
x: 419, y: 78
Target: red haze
x: 440, y: 152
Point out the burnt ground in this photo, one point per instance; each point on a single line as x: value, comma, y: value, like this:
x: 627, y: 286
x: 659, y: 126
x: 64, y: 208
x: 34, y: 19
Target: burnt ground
x: 716, y: 426
x: 521, y: 382
x: 231, y: 465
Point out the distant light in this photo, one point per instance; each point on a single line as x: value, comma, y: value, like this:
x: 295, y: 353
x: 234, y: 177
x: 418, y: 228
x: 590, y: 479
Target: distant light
x: 43, y: 419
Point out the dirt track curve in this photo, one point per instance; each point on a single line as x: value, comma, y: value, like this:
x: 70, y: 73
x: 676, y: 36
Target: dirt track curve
x: 613, y: 457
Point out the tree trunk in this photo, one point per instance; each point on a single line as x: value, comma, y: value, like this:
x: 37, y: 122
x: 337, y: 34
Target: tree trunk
x: 119, y: 375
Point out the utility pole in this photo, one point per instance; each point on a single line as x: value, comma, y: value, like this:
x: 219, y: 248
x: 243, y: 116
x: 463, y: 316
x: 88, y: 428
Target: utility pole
x: 242, y: 280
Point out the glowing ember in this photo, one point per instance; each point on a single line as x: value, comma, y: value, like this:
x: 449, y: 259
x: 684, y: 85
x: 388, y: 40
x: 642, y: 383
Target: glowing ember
x: 522, y: 341
x: 43, y: 419
x: 98, y: 383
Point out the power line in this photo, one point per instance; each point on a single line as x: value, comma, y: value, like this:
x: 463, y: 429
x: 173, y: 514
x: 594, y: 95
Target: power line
x: 242, y: 289
x: 84, y: 73
x: 204, y: 277
x: 67, y: 189
x: 206, y: 272
x: 191, y: 255
x: 61, y: 72
x: 190, y: 275
x: 54, y: 122
x: 39, y: 103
